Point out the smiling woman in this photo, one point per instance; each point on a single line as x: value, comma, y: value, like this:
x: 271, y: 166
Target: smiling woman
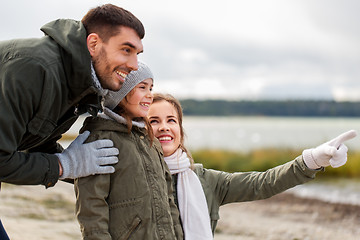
x: 165, y: 123
x: 200, y: 191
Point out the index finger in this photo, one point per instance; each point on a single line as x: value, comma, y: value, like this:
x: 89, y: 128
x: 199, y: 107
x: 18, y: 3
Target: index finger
x: 336, y: 142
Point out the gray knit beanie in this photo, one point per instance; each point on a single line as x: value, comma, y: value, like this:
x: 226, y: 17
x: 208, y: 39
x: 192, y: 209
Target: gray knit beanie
x: 112, y: 99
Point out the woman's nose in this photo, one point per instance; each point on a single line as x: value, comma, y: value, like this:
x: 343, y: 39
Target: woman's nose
x: 163, y: 127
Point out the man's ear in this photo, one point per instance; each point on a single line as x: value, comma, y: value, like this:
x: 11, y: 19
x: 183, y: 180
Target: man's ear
x: 93, y: 42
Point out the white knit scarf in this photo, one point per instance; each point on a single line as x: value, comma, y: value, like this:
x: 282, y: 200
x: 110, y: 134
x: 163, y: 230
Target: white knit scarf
x: 193, y: 207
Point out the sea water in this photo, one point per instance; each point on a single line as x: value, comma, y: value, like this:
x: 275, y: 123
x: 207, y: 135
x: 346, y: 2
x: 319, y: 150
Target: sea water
x: 248, y: 133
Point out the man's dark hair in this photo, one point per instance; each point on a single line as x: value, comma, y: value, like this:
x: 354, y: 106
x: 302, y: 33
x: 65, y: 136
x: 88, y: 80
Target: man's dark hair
x: 105, y: 21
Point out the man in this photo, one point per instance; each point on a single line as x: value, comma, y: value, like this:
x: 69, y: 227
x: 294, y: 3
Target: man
x: 46, y: 83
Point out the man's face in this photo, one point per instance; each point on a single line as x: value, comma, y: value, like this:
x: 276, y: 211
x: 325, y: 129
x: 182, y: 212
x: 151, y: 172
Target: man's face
x: 114, y: 59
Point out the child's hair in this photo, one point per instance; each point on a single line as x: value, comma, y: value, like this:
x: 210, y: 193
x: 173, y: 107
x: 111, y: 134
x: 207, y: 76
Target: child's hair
x: 158, y: 97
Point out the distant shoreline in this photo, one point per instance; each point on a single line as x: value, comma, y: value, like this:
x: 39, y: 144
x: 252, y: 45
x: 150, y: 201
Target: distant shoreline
x: 282, y: 108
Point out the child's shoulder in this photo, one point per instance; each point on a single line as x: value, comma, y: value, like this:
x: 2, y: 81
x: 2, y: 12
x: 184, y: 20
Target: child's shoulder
x: 157, y: 145
x: 101, y: 124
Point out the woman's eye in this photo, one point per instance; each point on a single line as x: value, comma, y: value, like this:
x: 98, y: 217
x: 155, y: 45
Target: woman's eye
x: 153, y: 121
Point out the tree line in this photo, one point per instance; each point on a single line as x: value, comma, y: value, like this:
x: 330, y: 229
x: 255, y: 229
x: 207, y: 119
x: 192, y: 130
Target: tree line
x: 308, y: 108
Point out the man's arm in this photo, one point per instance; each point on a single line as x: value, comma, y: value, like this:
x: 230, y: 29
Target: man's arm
x: 21, y: 83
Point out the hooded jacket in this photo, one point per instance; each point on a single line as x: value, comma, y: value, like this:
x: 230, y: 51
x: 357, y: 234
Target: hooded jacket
x: 134, y: 202
x: 45, y: 83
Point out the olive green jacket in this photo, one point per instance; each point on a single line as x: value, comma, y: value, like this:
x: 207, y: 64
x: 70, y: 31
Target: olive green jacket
x: 42, y: 82
x: 134, y: 202
x: 221, y: 188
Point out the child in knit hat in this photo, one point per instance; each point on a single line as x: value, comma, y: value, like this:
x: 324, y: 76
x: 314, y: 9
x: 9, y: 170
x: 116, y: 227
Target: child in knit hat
x: 136, y: 200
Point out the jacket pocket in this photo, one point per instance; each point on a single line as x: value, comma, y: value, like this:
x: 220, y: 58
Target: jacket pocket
x: 41, y: 126
x: 132, y: 228
x: 125, y: 218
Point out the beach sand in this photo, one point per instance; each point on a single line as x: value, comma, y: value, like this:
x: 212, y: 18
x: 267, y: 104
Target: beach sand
x: 36, y: 213
x: 286, y: 217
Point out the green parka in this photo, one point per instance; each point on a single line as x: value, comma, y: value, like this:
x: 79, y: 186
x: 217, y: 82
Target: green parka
x: 134, y: 202
x: 43, y: 82
x: 221, y: 188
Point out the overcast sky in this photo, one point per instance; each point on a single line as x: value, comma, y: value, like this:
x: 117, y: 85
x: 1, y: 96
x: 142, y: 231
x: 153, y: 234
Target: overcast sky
x: 232, y: 49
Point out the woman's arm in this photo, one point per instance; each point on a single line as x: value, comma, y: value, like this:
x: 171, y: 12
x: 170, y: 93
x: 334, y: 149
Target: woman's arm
x: 248, y: 186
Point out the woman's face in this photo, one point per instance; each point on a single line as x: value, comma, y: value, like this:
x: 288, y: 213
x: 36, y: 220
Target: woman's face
x: 163, y: 119
x: 138, y: 101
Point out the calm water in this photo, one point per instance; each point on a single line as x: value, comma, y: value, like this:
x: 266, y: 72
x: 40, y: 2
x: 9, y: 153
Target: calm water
x: 336, y: 190
x: 248, y: 133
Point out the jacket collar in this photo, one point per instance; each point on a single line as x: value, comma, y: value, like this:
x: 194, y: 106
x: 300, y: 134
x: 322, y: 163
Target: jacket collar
x: 109, y: 114
x: 70, y: 35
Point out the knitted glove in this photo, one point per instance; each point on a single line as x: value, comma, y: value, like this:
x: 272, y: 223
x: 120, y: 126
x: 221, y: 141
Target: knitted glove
x: 83, y: 159
x: 332, y: 153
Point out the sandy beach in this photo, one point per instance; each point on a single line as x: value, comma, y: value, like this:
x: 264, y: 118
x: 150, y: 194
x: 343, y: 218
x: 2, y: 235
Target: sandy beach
x: 286, y: 217
x: 36, y: 213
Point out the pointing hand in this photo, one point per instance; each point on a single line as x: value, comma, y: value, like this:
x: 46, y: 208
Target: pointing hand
x: 333, y: 152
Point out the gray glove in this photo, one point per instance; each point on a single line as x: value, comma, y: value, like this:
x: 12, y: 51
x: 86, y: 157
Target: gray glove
x: 332, y: 153
x: 83, y: 159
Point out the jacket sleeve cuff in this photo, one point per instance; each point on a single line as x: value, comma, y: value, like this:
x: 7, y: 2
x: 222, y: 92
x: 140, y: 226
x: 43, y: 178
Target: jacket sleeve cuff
x: 309, y: 159
x: 52, y: 175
